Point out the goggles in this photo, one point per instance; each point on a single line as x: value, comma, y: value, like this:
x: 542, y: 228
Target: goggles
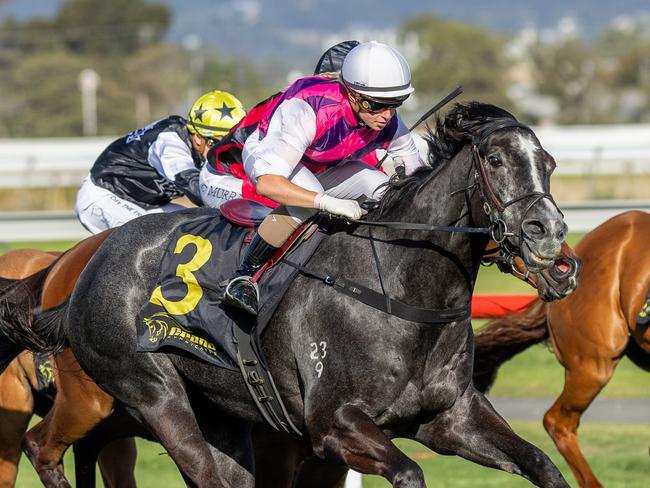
x: 374, y: 105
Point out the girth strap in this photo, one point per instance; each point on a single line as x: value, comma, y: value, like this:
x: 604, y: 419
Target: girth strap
x: 384, y: 302
x: 260, y: 384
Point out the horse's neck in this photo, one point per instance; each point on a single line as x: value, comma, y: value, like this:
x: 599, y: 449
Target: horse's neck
x: 435, y: 269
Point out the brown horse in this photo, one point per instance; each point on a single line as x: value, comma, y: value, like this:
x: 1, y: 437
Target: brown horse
x: 590, y: 330
x: 19, y: 397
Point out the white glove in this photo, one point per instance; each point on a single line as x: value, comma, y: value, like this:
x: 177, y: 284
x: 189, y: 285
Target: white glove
x: 340, y: 206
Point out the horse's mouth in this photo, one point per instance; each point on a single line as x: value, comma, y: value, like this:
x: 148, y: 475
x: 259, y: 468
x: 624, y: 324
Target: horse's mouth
x: 561, y: 269
x: 535, y: 262
x: 559, y: 280
x: 539, y: 261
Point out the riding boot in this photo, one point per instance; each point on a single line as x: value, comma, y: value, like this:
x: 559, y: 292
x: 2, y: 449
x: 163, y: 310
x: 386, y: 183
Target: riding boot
x: 241, y: 292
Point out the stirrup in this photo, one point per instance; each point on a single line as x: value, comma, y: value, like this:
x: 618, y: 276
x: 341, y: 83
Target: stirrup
x: 230, y: 299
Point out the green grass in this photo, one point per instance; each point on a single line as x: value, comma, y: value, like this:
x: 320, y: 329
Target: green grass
x: 618, y: 455
x: 43, y: 246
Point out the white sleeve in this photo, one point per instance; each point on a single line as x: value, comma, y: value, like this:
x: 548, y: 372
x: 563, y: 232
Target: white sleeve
x: 403, y: 150
x: 170, y: 155
x: 291, y: 130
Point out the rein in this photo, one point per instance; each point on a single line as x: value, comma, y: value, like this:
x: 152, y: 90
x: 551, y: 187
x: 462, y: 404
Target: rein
x: 498, y: 231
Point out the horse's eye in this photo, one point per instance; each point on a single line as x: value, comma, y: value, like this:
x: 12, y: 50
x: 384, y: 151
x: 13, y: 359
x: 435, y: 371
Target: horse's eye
x: 494, y: 160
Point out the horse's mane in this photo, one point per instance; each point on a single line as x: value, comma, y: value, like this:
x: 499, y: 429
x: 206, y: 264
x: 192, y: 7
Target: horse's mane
x: 452, y: 132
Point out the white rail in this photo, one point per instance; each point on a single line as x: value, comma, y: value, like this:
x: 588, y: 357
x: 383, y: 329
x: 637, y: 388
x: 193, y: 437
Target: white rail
x: 64, y: 226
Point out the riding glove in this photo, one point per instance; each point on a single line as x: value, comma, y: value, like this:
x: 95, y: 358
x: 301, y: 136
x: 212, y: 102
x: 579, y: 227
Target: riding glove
x: 340, y: 206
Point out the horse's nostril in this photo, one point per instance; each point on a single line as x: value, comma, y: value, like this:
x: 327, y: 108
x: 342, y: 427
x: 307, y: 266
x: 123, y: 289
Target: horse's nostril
x: 534, y: 228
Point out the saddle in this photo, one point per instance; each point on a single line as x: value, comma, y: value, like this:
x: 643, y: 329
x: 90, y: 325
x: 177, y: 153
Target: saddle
x: 245, y: 213
x: 184, y: 311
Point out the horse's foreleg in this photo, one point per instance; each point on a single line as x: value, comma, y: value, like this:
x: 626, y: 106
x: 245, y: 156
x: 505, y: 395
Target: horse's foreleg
x: 581, y: 385
x: 277, y: 458
x: 355, y: 441
x: 16, y: 405
x: 473, y: 430
x: 78, y: 407
x: 117, y: 463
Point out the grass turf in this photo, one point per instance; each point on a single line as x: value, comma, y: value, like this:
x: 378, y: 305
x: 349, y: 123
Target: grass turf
x: 618, y: 455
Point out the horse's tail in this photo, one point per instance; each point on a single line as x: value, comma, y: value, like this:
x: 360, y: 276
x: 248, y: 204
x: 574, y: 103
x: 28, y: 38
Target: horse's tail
x: 20, y: 325
x: 501, y: 339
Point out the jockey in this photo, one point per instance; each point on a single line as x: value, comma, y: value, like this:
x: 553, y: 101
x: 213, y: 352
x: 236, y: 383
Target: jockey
x: 223, y: 177
x: 142, y: 172
x: 305, y: 152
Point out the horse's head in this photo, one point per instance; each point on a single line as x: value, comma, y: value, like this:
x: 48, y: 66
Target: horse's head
x: 512, y: 173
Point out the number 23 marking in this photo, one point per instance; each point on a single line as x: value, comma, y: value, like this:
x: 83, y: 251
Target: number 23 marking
x: 314, y: 355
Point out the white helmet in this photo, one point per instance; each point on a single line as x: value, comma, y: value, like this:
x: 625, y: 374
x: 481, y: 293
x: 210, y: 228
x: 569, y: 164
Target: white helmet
x: 377, y: 70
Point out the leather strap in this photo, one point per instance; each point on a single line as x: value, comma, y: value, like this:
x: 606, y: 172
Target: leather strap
x: 384, y: 302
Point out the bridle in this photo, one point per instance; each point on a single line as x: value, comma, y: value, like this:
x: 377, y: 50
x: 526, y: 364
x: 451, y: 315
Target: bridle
x: 498, y: 230
x: 494, y: 207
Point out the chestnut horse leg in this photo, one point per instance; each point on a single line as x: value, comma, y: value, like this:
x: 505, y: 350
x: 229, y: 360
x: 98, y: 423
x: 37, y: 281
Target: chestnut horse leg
x: 16, y: 400
x: 16, y: 407
x: 562, y: 419
x: 588, y: 368
x: 79, y: 406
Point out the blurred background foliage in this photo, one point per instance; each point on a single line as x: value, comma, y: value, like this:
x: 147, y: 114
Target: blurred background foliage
x: 568, y: 80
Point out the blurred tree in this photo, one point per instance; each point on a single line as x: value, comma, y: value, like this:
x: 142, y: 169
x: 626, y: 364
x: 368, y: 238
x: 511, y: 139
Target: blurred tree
x: 117, y: 27
x: 45, y: 97
x: 238, y: 76
x: 453, y: 53
x: 626, y: 52
x: 570, y: 71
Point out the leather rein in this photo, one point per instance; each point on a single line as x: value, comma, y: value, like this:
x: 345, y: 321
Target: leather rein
x: 498, y: 231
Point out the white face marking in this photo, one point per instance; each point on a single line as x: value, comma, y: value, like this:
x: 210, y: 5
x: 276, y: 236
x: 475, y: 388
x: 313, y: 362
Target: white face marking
x: 528, y: 146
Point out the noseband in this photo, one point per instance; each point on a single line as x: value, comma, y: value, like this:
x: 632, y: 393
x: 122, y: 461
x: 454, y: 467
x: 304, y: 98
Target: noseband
x: 493, y: 205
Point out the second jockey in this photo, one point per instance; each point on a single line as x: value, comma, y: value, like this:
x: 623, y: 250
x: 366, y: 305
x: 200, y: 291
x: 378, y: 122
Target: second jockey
x: 145, y: 170
x: 305, y: 153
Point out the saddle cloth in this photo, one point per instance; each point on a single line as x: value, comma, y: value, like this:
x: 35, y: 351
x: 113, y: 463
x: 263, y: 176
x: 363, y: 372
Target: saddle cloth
x: 44, y: 374
x: 644, y: 314
x: 184, y: 310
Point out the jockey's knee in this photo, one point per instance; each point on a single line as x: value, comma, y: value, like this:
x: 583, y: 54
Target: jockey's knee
x: 278, y: 226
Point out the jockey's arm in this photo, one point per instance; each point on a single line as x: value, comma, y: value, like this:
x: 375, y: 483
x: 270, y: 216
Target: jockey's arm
x: 291, y: 130
x: 172, y: 158
x: 279, y: 189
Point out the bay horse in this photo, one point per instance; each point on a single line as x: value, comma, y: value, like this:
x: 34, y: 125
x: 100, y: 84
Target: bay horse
x: 385, y: 376
x: 590, y: 330
x: 19, y: 393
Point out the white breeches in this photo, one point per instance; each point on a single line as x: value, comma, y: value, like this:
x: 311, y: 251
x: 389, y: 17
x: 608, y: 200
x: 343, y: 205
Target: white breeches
x: 99, y: 209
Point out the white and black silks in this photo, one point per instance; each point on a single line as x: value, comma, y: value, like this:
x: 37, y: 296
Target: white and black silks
x: 152, y: 165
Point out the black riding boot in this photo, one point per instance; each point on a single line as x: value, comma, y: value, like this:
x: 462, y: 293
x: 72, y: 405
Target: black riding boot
x: 241, y: 292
